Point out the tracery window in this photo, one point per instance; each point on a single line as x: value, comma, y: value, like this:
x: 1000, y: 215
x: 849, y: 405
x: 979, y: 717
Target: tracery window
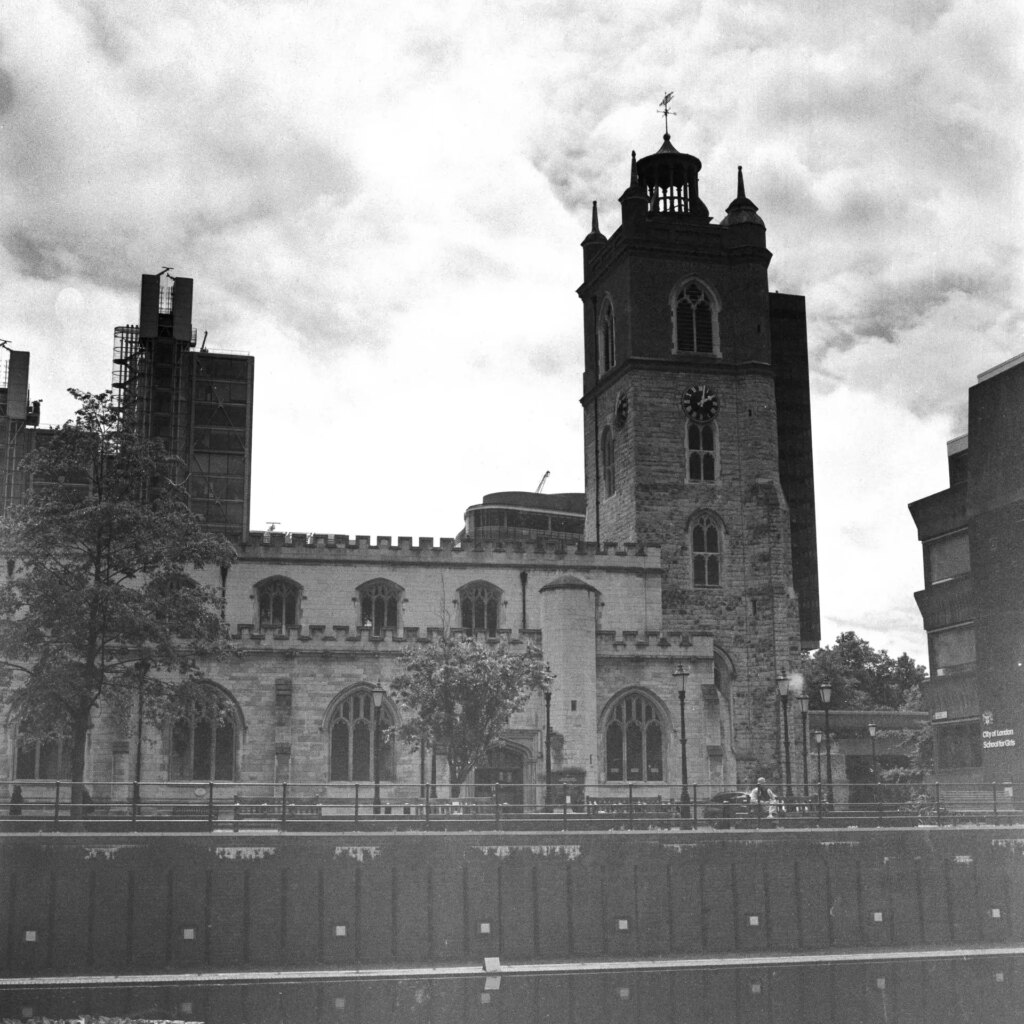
x: 633, y: 741
x: 42, y: 759
x: 696, y: 316
x: 700, y: 457
x: 608, y: 461
x: 606, y: 337
x: 480, y: 603
x: 356, y: 745
x: 378, y: 606
x: 204, y: 744
x: 278, y: 601
x: 706, y: 549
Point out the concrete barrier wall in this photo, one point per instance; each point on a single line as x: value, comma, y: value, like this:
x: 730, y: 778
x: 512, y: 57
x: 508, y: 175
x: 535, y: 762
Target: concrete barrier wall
x: 116, y: 903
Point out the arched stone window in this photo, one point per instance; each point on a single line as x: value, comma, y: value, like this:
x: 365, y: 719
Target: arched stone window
x: 42, y: 759
x: 379, y: 601
x: 606, y: 336
x: 701, y: 455
x: 204, y: 742
x: 356, y: 744
x: 480, y: 605
x: 608, y: 461
x: 278, y: 604
x: 696, y: 319
x: 634, y: 748
x: 706, y: 551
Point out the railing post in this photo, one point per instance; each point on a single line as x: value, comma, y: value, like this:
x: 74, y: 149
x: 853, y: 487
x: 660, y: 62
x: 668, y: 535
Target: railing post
x: 938, y: 805
x: 136, y: 800
x: 497, y: 808
x: 426, y: 809
x: 565, y: 807
x: 630, y: 805
x: 820, y: 795
x: 56, y: 803
x: 995, y: 803
x: 209, y: 808
x: 692, y: 824
x: 284, y: 804
x: 356, y: 820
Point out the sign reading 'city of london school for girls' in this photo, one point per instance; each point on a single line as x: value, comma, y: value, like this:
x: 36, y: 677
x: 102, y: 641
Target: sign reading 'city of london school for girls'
x: 993, y: 739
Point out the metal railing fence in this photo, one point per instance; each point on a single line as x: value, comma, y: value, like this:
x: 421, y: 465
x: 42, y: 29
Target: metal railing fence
x: 348, y: 806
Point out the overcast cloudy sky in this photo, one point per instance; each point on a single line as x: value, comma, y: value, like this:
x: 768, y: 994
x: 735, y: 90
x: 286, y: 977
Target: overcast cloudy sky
x: 383, y: 202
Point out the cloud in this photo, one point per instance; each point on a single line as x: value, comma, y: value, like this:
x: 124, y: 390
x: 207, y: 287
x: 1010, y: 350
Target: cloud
x: 385, y: 205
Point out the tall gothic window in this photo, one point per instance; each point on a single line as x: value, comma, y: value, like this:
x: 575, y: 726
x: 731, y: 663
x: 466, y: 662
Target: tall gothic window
x: 608, y: 461
x: 204, y: 744
x: 42, y: 759
x: 378, y: 606
x: 706, y: 548
x: 356, y: 745
x: 633, y: 741
x: 479, y: 603
x: 695, y: 319
x: 278, y: 601
x: 700, y: 457
x: 606, y: 337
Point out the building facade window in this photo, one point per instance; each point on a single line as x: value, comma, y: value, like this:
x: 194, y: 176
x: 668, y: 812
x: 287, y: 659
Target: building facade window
x: 42, y: 759
x: 700, y: 451
x: 958, y: 744
x: 952, y: 651
x: 706, y: 550
x: 696, y: 315
x: 479, y: 604
x: 947, y: 557
x: 204, y: 745
x: 633, y: 741
x: 608, y: 461
x: 356, y: 745
x: 379, y: 602
x: 606, y: 336
x: 278, y: 604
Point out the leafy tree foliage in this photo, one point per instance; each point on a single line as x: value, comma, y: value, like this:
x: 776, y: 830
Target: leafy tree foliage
x: 863, y: 678
x: 100, y: 603
x: 461, y: 692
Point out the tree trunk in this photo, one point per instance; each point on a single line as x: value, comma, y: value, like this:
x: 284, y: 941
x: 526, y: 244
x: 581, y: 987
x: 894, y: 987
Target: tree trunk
x: 79, y: 733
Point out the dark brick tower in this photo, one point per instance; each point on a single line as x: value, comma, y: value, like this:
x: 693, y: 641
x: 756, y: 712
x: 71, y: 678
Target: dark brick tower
x: 695, y: 381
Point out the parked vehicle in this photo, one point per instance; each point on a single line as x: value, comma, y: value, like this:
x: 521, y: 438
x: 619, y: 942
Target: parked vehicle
x: 723, y: 809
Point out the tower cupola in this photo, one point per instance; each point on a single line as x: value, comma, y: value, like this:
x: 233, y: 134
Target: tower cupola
x: 668, y: 180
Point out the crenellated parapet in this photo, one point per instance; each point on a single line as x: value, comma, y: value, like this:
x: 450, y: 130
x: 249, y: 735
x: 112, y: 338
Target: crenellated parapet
x: 360, y: 639
x: 635, y: 643
x: 274, y: 546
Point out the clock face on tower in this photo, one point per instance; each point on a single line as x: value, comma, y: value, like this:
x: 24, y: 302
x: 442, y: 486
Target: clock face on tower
x: 700, y: 403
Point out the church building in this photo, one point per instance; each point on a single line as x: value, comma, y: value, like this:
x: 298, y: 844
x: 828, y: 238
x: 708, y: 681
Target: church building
x: 667, y: 600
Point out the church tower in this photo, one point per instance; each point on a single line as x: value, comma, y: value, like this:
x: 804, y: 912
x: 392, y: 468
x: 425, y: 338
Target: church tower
x: 697, y: 432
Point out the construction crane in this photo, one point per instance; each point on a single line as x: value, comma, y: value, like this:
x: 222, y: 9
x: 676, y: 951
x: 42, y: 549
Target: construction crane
x: 543, y: 481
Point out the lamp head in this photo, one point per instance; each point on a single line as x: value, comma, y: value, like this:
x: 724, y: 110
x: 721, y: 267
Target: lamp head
x: 378, y: 696
x: 782, y: 682
x: 804, y: 701
x: 872, y: 729
x: 825, y: 693
x: 819, y: 737
x: 681, y: 671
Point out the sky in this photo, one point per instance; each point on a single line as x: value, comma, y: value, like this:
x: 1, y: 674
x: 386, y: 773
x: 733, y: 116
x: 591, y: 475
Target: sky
x: 383, y: 203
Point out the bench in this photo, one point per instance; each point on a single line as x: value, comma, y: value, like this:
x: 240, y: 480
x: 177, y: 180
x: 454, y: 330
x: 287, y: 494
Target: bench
x: 619, y: 807
x: 194, y: 812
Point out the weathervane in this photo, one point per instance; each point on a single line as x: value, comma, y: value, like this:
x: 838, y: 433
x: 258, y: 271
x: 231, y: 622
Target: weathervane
x: 664, y: 111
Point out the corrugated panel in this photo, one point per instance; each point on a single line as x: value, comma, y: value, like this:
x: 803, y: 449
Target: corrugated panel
x: 17, y: 385
x: 149, y: 306
x: 182, y: 309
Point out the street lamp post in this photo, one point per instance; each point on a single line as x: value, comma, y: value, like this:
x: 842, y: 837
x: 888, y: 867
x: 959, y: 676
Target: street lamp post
x: 378, y: 703
x: 872, y: 730
x: 818, y: 737
x: 804, y: 701
x: 547, y: 748
x: 681, y: 673
x: 782, y: 682
x: 825, y: 694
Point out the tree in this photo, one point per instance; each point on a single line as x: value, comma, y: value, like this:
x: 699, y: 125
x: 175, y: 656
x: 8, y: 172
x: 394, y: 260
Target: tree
x: 864, y: 679
x: 461, y: 692
x: 100, y: 604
